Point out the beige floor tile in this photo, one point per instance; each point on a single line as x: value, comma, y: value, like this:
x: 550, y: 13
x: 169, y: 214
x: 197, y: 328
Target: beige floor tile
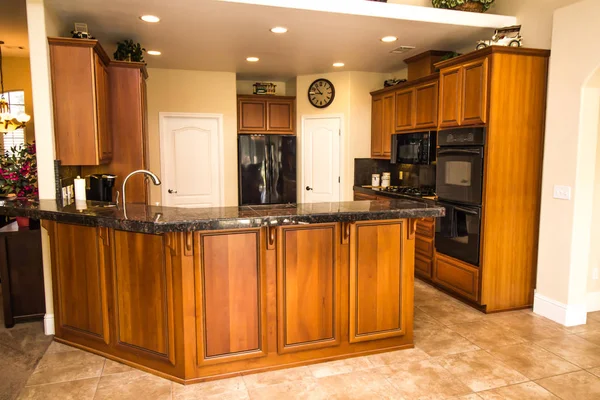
x: 522, y: 391
x: 358, y: 385
x: 481, y: 371
x: 579, y: 385
x: 472, y: 396
x: 573, y: 349
x: 300, y: 390
x: 595, y: 371
x: 594, y: 316
x: 222, y: 389
x: 532, y: 361
x: 487, y: 334
x: 340, y: 366
x: 591, y: 336
x: 424, y: 321
x: 403, y: 356
x: 133, y: 385
x: 56, y: 347
x: 591, y: 325
x: 451, y: 312
x: 276, y: 377
x: 113, y: 367
x: 66, y: 366
x: 530, y: 326
x: 442, y: 341
x: 82, y: 389
x: 423, y: 379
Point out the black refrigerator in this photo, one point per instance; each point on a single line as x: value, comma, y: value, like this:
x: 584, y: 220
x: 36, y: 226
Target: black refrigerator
x: 266, y: 169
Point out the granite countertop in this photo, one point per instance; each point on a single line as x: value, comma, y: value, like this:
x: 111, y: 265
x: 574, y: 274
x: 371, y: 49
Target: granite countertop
x: 157, y: 219
x: 427, y: 200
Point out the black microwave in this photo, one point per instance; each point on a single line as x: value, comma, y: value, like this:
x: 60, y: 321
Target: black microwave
x: 413, y: 148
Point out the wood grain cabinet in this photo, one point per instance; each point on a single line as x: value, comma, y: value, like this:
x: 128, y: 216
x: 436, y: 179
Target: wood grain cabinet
x: 382, y: 125
x: 262, y: 115
x: 425, y: 248
x: 426, y: 105
x: 405, y: 109
x: 80, y: 89
x: 457, y: 276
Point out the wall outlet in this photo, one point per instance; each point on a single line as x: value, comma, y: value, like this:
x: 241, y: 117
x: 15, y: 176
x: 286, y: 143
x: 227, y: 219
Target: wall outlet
x: 595, y: 274
x: 562, y: 192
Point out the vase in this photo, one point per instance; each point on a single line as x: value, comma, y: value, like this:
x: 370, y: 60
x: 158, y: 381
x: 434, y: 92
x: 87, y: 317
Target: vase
x: 470, y: 6
x: 23, y: 222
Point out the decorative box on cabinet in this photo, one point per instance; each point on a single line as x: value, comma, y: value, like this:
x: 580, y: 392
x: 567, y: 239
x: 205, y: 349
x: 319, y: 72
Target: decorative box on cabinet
x: 80, y: 89
x: 267, y: 115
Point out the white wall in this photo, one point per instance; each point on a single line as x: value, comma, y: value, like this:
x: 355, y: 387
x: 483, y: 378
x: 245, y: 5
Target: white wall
x: 172, y: 90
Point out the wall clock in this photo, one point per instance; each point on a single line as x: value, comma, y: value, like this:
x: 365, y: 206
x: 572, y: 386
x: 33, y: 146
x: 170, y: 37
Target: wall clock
x: 321, y: 93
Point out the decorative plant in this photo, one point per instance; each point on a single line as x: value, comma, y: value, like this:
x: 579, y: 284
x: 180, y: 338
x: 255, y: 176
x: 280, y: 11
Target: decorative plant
x: 18, y: 171
x: 484, y: 5
x: 128, y: 51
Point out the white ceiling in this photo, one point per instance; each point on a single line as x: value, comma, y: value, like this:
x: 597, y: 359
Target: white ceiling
x: 13, y: 28
x: 218, y: 35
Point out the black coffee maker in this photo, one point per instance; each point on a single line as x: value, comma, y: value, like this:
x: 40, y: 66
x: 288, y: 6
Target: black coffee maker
x: 101, y: 186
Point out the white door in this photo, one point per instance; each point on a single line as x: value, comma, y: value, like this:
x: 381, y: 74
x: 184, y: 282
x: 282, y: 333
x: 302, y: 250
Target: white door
x: 321, y: 160
x: 191, y: 159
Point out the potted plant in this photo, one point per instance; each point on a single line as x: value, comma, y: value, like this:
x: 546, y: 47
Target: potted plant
x: 128, y: 51
x: 18, y: 175
x: 464, y: 5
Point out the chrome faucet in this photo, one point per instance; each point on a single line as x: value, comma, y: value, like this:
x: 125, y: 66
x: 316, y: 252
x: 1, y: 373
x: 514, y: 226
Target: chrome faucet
x: 155, y: 180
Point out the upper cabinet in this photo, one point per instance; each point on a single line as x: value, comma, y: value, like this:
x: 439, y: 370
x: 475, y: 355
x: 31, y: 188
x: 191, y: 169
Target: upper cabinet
x: 267, y: 115
x: 80, y: 88
x: 382, y: 125
x: 405, y: 102
x: 464, y: 94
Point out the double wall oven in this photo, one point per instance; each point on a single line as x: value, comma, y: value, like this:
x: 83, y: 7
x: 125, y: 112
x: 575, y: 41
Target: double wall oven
x: 459, y: 186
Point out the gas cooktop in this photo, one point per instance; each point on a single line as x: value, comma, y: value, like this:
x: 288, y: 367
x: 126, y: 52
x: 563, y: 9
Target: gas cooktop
x: 409, y: 191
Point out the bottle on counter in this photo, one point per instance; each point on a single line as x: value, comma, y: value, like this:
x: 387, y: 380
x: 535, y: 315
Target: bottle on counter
x: 385, y: 179
x: 375, y: 180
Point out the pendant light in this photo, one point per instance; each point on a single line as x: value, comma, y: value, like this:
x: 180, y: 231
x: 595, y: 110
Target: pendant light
x: 8, y: 121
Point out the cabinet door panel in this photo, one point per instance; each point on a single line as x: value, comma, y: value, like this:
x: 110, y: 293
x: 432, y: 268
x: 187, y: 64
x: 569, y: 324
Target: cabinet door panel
x: 280, y: 116
x: 376, y: 127
x: 252, y: 115
x: 143, y: 295
x: 388, y: 130
x: 308, y: 292
x: 230, y: 296
x: 376, y: 269
x: 457, y: 276
x: 80, y: 282
x: 404, y: 110
x: 450, y: 97
x: 474, y: 95
x: 423, y: 266
x: 102, y: 117
x: 426, y: 99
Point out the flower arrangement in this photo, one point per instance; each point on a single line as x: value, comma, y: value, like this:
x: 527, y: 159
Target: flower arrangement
x: 18, y: 171
x: 466, y: 5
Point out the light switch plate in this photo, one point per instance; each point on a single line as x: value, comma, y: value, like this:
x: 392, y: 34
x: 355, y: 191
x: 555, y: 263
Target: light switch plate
x: 562, y: 192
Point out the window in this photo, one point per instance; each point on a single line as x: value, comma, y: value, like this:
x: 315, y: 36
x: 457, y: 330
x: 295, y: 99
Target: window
x: 16, y: 105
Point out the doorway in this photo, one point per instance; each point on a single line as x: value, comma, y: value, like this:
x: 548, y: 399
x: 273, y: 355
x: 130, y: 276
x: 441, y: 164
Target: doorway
x: 321, y: 177
x: 191, y: 159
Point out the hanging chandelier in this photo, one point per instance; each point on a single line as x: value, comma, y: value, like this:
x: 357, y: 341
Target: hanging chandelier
x: 8, y: 121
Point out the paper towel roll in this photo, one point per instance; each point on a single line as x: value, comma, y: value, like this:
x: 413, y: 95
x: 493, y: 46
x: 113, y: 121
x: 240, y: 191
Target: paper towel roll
x: 79, y: 189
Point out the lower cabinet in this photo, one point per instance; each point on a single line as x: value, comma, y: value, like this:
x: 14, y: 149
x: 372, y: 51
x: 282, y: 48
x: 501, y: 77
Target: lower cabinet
x: 457, y: 276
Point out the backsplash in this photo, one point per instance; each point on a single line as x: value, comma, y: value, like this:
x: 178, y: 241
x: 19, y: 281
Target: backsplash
x: 413, y: 175
x: 64, y: 176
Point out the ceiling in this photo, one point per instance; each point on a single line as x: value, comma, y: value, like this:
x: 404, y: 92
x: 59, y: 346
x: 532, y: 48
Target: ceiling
x: 13, y: 28
x: 218, y: 36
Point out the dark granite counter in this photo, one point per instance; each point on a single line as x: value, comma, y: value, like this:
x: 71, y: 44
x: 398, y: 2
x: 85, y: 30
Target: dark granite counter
x: 156, y: 219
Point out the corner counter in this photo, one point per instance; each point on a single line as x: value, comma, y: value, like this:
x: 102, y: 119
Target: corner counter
x: 197, y: 294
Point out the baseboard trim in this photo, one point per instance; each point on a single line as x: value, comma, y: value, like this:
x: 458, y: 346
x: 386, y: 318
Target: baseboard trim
x: 49, y: 324
x: 564, y: 314
x: 593, y: 301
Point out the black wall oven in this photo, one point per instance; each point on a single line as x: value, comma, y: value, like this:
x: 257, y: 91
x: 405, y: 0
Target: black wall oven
x: 457, y: 234
x: 413, y: 148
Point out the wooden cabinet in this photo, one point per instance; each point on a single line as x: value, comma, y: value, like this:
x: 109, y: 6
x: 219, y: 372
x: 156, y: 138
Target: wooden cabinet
x: 308, y: 287
x: 382, y: 125
x: 426, y: 105
x: 425, y: 248
x: 464, y: 94
x: 377, y: 307
x: 405, y: 118
x: 80, y: 87
x: 272, y: 115
x: 231, y: 295
x: 456, y: 276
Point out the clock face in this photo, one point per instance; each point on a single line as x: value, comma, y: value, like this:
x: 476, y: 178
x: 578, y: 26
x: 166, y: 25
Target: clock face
x: 321, y: 93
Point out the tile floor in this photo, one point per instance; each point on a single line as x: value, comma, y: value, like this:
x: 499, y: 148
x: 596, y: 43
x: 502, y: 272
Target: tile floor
x: 459, y: 353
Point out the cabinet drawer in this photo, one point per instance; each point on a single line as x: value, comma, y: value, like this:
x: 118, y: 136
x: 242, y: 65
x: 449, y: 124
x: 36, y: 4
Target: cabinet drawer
x: 457, y: 276
x: 423, y: 266
x: 426, y: 227
x: 424, y: 246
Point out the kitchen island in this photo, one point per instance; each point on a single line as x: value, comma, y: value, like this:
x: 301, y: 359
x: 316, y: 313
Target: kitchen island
x: 197, y: 294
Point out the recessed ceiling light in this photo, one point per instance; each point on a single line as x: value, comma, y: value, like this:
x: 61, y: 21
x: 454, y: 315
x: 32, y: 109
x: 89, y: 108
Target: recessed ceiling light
x: 279, y: 29
x: 153, y: 52
x: 338, y: 64
x: 150, y: 18
x: 252, y: 59
x: 389, y: 39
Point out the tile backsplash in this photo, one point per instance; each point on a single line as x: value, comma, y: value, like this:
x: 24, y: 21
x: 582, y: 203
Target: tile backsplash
x: 64, y: 176
x: 413, y: 175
